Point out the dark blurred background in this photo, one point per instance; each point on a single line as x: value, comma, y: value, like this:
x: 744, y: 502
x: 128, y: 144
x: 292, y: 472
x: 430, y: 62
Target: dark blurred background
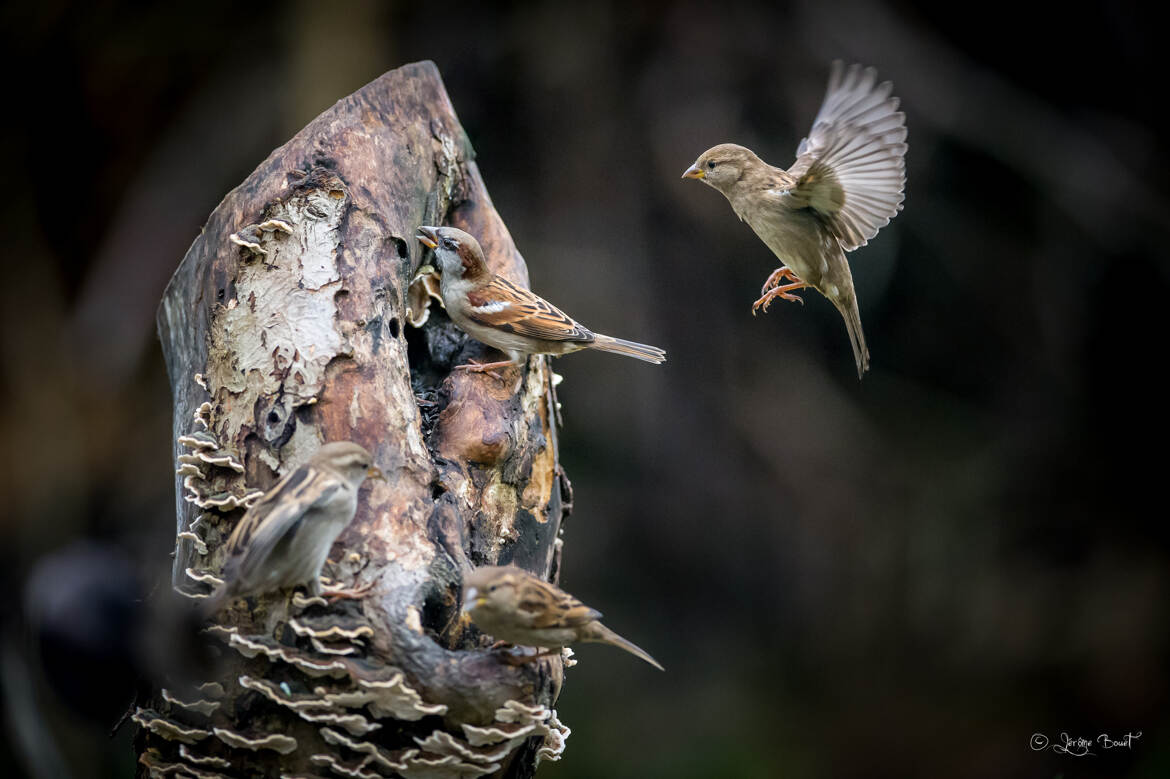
x: 908, y: 576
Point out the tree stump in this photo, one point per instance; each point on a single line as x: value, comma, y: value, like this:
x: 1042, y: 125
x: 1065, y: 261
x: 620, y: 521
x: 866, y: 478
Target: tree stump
x: 292, y: 321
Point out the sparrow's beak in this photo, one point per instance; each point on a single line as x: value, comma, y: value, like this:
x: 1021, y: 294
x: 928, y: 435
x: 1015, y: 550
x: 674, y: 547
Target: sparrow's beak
x: 375, y: 473
x: 694, y: 172
x: 428, y: 236
x: 471, y: 599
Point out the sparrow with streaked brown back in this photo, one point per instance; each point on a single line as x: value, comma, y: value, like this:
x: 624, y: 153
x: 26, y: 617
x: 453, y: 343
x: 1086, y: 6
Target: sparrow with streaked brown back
x: 284, y: 538
x: 845, y: 185
x: 499, y: 313
x: 512, y: 605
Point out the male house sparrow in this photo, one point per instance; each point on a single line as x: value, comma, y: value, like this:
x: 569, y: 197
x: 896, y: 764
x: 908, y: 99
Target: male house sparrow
x: 514, y: 606
x: 495, y: 311
x: 845, y: 185
x: 284, y: 538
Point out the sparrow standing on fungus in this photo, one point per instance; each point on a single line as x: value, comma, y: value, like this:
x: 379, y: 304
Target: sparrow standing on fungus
x: 284, y: 538
x: 514, y: 606
x: 495, y: 311
x: 845, y: 185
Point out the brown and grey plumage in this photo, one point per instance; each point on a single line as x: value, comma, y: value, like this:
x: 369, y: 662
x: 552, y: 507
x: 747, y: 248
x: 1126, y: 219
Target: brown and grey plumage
x: 514, y: 606
x: 284, y: 538
x: 845, y: 185
x: 499, y: 313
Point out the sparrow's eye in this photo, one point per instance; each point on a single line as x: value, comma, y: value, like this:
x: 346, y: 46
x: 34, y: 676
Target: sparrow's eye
x: 448, y: 243
x: 710, y: 164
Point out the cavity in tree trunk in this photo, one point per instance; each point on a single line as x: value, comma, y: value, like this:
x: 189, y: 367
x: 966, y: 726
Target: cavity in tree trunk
x: 291, y: 322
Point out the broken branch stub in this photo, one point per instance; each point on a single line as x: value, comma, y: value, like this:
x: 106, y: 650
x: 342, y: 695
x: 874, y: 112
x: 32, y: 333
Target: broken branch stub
x: 286, y: 326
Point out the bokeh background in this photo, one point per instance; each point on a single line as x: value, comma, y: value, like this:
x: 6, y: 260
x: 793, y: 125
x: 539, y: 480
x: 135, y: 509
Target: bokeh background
x: 907, y: 576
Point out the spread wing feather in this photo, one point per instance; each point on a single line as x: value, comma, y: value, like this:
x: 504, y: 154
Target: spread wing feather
x: 502, y: 304
x: 852, y: 166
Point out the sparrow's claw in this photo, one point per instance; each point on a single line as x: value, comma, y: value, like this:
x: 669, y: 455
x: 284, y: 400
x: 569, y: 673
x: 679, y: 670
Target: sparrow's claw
x: 778, y: 275
x: 514, y: 658
x: 511, y: 653
x: 355, y: 594
x: 784, y: 292
x: 477, y: 368
x: 521, y: 655
x: 485, y: 367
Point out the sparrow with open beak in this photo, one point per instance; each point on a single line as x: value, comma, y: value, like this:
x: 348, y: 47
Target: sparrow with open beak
x: 495, y: 311
x: 284, y: 538
x: 845, y: 185
x: 512, y: 605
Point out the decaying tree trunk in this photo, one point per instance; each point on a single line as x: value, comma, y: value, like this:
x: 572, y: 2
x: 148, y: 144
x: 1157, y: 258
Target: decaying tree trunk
x: 289, y: 324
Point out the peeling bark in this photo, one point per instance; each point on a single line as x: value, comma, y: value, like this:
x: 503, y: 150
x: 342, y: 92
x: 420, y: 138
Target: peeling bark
x: 287, y: 325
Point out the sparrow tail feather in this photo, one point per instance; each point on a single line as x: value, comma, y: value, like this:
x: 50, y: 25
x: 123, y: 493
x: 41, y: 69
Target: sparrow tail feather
x: 852, y: 318
x: 601, y: 634
x: 629, y: 348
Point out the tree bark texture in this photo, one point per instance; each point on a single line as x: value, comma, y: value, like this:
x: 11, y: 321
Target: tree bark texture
x: 292, y: 322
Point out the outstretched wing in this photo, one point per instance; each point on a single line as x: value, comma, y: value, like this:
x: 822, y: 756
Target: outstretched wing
x: 851, y: 168
x: 503, y: 305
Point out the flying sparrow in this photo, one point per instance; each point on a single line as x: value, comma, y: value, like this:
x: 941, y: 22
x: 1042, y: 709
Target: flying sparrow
x: 514, y: 606
x: 845, y: 185
x: 495, y: 311
x: 283, y: 539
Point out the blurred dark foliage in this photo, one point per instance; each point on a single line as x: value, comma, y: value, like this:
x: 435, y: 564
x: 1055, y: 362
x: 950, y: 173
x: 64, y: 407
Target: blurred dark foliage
x: 904, y: 577
x: 80, y: 604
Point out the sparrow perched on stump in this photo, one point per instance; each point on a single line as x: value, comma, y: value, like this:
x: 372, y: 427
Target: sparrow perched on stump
x: 495, y: 311
x: 845, y: 185
x: 284, y: 538
x: 512, y: 605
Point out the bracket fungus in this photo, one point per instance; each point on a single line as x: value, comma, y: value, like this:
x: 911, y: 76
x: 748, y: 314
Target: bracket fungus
x: 157, y: 767
x: 191, y: 756
x: 312, y: 708
x: 277, y: 742
x: 171, y: 731
x: 199, y: 705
